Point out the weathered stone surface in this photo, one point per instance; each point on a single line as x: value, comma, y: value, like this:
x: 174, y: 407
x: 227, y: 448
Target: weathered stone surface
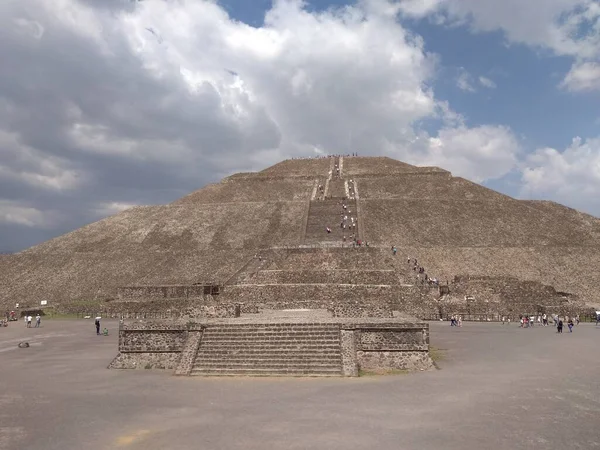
x: 188, y: 355
x: 277, y: 345
x: 392, y: 339
x: 249, y: 233
x: 392, y: 360
x: 349, y: 356
x: 167, y: 361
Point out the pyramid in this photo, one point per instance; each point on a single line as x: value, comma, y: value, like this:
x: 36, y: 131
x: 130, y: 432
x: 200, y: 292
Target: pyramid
x: 260, y: 240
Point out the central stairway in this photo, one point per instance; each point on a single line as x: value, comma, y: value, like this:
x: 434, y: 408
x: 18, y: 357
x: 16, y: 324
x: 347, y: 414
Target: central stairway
x: 279, y: 349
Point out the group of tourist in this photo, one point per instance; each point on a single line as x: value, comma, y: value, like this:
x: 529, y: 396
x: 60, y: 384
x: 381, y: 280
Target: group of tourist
x: 28, y: 319
x: 543, y: 320
x: 456, y: 321
x: 420, y: 270
x: 351, y: 190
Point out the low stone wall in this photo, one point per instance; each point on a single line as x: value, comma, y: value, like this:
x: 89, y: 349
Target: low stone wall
x: 361, y: 309
x: 155, y: 292
x: 371, y: 344
x: 381, y: 347
x: 149, y: 345
x: 336, y: 276
x: 153, y: 309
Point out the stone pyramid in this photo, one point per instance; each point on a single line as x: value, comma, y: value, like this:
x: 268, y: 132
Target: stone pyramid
x: 259, y: 240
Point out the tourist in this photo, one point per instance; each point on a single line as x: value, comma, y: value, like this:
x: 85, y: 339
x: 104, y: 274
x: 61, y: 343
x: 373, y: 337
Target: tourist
x: 577, y: 319
x: 38, y: 319
x: 559, y: 325
x: 570, y: 325
x: 503, y: 320
x: 25, y: 318
x: 460, y: 321
x: 97, y: 323
x: 545, y: 320
x: 29, y: 319
x: 597, y: 317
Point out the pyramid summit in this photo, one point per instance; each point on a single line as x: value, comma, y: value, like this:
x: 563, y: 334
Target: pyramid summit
x: 295, y: 235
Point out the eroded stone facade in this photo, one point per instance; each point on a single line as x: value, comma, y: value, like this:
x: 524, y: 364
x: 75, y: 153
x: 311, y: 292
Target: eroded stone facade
x: 365, y: 344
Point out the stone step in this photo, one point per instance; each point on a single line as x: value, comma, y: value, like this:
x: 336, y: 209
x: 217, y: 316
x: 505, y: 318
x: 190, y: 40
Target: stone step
x: 201, y: 361
x: 270, y: 340
x: 231, y: 346
x: 266, y: 372
x: 294, y: 339
x: 274, y: 334
x: 259, y: 353
x: 227, y: 365
x: 272, y: 330
x: 277, y: 326
x: 309, y: 346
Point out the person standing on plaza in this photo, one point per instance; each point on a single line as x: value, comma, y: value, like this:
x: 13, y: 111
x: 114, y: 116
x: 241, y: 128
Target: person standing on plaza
x: 97, y: 323
x: 559, y: 326
x: 29, y: 319
x: 38, y: 320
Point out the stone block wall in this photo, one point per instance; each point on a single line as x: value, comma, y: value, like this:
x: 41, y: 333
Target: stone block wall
x: 382, y: 347
x: 361, y: 309
x: 150, y: 345
x: 172, y: 291
x: 347, y: 300
x: 322, y: 276
x: 369, y: 345
x: 333, y: 259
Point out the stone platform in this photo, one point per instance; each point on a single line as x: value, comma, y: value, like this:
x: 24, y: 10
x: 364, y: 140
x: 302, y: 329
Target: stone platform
x: 278, y: 343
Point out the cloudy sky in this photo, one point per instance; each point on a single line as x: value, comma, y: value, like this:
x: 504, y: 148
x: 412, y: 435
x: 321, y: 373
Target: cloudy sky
x: 105, y: 104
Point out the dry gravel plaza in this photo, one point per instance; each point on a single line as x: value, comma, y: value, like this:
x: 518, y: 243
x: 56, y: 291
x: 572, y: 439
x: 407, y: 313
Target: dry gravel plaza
x: 498, y: 387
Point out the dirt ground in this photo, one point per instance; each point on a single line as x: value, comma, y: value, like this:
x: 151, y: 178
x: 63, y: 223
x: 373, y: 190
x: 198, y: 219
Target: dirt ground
x: 498, y: 387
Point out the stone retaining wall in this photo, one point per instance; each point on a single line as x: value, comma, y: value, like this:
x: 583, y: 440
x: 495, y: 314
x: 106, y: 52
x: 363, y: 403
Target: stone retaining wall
x: 339, y: 276
x: 384, y: 347
x: 369, y: 345
x: 173, y: 291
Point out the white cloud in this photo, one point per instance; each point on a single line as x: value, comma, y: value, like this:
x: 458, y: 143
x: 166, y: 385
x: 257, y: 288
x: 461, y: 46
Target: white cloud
x: 571, y: 176
x: 464, y: 81
x: 583, y: 77
x: 24, y: 164
x: 479, y: 153
x: 486, y: 82
x: 13, y: 213
x: 564, y: 27
x: 419, y: 8
x: 120, y: 103
x: 109, y: 208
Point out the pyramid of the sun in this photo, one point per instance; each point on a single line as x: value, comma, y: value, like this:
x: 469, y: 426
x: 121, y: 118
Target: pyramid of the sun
x: 262, y: 238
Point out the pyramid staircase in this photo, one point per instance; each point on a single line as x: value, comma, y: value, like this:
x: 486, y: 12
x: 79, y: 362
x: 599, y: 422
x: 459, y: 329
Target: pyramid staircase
x: 278, y: 349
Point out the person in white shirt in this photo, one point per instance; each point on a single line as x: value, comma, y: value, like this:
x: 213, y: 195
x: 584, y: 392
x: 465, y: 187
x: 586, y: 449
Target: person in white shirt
x: 38, y: 320
x: 29, y: 319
